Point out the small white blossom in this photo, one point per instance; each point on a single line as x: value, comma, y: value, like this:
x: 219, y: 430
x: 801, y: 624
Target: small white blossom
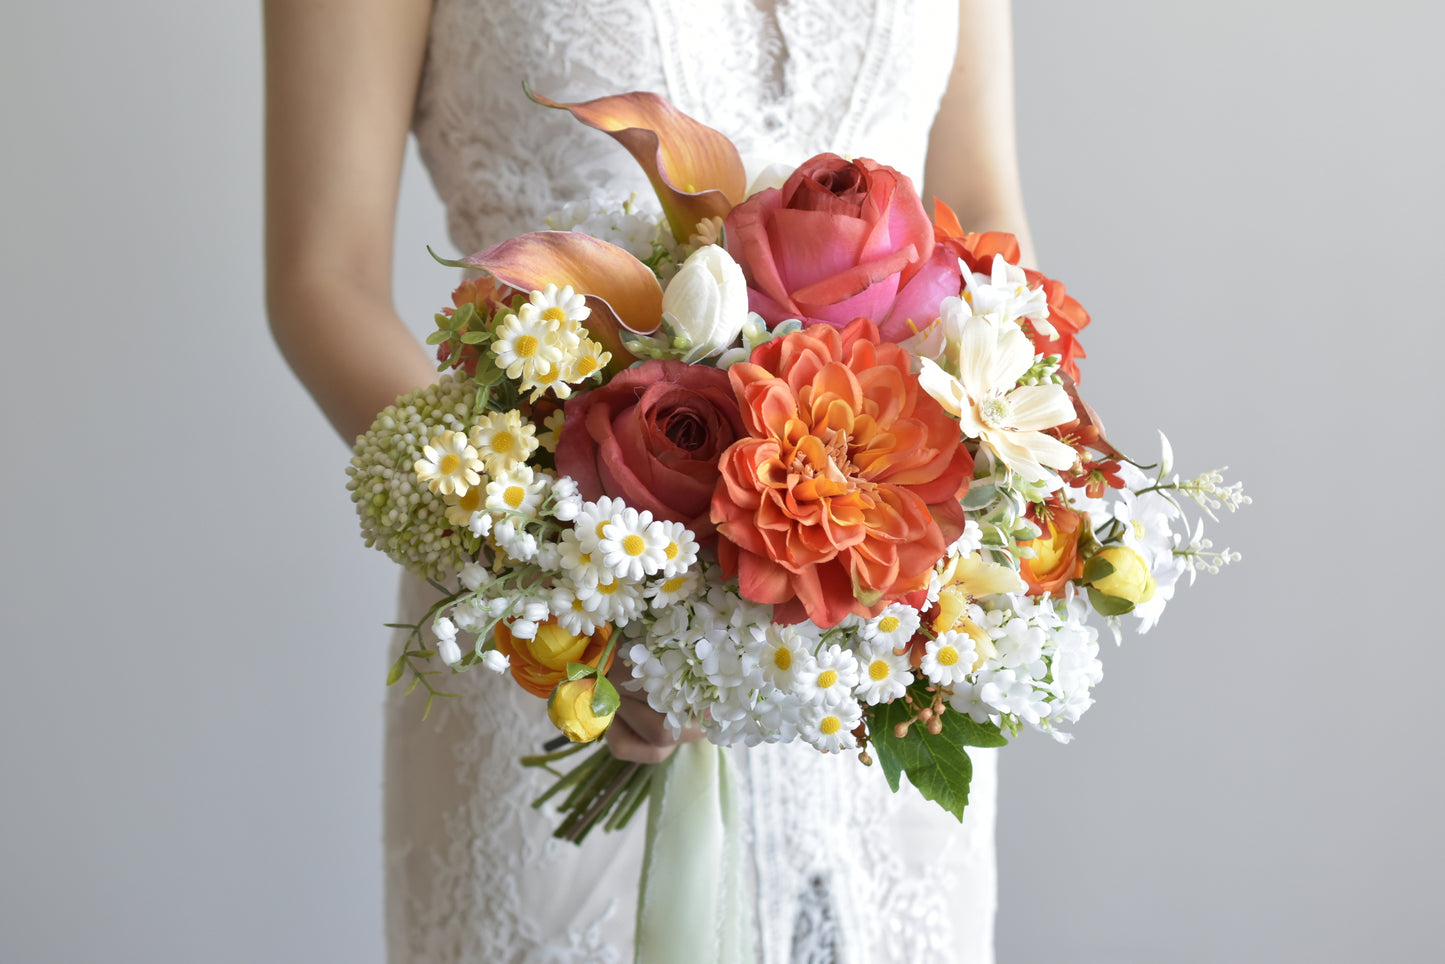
x: 496, y: 661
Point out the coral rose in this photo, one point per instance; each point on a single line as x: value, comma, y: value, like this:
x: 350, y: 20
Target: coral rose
x: 845, y: 493
x: 842, y: 240
x: 540, y: 663
x: 652, y: 437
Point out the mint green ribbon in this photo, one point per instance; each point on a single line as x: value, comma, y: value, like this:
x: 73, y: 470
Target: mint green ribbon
x: 691, y: 902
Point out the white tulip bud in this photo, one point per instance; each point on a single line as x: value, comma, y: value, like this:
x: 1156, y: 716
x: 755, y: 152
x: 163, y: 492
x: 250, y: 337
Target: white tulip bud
x: 706, y: 304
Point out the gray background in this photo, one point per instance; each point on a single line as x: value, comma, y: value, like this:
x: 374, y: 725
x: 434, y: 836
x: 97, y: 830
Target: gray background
x: 1245, y: 194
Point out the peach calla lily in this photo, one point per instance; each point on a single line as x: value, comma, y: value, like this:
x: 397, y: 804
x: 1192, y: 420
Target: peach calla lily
x: 696, y: 171
x: 621, y: 291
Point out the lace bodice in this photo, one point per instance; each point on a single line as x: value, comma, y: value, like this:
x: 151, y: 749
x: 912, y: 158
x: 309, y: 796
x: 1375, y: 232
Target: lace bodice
x: 784, y: 80
x: 842, y: 871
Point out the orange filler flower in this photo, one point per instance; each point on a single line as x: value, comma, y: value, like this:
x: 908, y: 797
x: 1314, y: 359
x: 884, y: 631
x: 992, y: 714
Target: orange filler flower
x: 844, y: 494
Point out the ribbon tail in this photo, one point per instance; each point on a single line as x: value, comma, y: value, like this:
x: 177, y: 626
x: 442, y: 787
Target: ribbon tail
x: 691, y: 903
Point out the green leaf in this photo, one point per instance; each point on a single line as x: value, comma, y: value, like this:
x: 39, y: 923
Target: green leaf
x: 938, y: 765
x: 473, y: 337
x: 415, y: 681
x: 605, y: 698
x: 1097, y: 568
x: 1109, y: 605
x: 437, y: 337
x: 580, y: 671
x: 397, y: 669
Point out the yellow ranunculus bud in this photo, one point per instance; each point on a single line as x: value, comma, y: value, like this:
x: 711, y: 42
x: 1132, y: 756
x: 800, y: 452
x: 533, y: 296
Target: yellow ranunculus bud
x: 1130, y: 580
x: 570, y: 710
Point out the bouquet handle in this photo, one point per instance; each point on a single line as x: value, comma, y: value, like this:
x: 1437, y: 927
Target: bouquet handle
x: 691, y: 902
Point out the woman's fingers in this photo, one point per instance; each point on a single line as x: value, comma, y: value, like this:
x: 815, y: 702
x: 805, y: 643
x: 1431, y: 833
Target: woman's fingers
x: 627, y: 745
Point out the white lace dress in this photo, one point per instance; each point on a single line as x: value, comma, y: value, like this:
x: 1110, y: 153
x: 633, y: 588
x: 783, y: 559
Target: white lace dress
x: 843, y: 871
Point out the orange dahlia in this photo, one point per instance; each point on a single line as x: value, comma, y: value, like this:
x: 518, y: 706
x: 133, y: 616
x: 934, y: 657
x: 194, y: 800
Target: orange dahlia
x: 844, y: 493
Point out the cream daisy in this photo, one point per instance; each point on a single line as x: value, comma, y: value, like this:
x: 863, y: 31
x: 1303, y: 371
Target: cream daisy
x: 586, y: 360
x: 449, y: 464
x: 518, y: 489
x: 503, y: 439
x: 949, y: 658
x: 829, y: 677
x: 632, y: 545
x: 885, y: 674
x: 526, y: 347
x: 552, y: 430
x: 830, y: 728
x: 461, y: 508
x: 893, y: 627
x: 1009, y: 418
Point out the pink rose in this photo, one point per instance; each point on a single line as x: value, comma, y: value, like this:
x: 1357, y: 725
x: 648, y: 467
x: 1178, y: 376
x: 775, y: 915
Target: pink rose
x: 842, y: 240
x: 652, y: 437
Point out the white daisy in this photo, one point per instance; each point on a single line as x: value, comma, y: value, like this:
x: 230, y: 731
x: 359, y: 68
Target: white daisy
x: 557, y: 306
x: 666, y: 591
x: 570, y: 613
x: 784, y: 655
x: 518, y: 490
x: 503, y: 439
x: 885, y: 674
x: 894, y: 626
x: 829, y: 677
x: 449, y: 464
x: 949, y: 658
x: 614, y: 602
x: 591, y: 517
x: 581, y: 567
x: 526, y: 347
x: 680, y: 550
x: 632, y: 545
x: 830, y: 728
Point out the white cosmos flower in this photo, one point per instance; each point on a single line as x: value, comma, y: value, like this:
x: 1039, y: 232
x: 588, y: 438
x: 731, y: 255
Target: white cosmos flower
x: 991, y: 405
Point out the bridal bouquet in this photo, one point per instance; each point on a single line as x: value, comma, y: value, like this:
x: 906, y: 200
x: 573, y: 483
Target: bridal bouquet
x: 807, y: 463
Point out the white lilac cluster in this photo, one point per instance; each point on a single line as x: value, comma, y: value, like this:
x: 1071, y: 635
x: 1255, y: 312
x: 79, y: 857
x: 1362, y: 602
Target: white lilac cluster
x: 637, y: 227
x: 1039, y: 661
x: 719, y: 662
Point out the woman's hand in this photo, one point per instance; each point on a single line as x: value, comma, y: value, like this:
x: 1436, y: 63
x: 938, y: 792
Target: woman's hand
x: 639, y: 734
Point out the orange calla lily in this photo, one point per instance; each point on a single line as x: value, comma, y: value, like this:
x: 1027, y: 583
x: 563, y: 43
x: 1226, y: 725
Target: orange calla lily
x: 621, y: 291
x: 696, y: 171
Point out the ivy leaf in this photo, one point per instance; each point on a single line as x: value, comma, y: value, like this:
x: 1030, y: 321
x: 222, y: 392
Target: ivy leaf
x: 938, y: 765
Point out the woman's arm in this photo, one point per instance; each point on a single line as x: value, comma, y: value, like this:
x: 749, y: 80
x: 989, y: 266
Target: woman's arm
x: 972, y: 153
x: 341, y: 79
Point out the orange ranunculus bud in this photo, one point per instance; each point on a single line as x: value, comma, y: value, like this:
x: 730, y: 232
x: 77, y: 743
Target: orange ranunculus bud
x: 1056, y: 554
x: 570, y: 710
x: 540, y: 663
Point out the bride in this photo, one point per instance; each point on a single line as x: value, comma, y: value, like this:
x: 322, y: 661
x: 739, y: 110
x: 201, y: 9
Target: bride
x: 840, y: 870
